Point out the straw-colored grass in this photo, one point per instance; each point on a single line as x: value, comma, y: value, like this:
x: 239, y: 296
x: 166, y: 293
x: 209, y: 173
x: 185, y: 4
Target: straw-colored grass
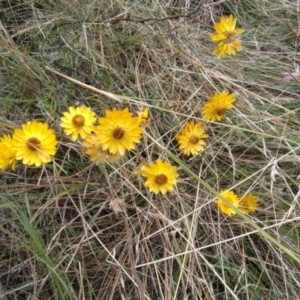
x: 61, y: 237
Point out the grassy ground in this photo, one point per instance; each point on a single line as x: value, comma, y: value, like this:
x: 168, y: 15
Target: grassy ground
x: 60, y: 238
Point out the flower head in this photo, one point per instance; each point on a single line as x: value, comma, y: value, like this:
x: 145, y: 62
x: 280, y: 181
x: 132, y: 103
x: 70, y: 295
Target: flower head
x: 161, y: 176
x: 95, y: 150
x: 35, y: 143
x: 7, y: 153
x: 232, y: 198
x: 225, y: 37
x: 78, y: 121
x: 217, y: 106
x: 248, y: 203
x: 144, y: 117
x: 190, y: 138
x: 118, y: 131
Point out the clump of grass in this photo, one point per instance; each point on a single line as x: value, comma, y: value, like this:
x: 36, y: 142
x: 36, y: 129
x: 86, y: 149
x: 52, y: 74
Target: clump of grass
x: 72, y: 230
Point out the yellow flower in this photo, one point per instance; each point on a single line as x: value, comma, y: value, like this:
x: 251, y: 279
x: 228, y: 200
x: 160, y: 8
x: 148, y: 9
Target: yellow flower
x: 7, y: 154
x: 95, y: 150
x: 161, y: 176
x: 78, y: 121
x: 217, y: 106
x: 190, y: 138
x: 144, y: 117
x: 35, y: 143
x: 118, y: 131
x: 225, y: 37
x: 248, y: 203
x: 230, y: 197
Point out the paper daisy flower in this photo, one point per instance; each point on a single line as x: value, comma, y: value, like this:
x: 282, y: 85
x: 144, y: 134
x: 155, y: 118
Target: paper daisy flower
x: 161, y: 177
x: 95, y: 150
x: 119, y: 131
x: 248, y: 203
x: 34, y: 144
x: 144, y: 117
x: 78, y: 121
x: 225, y: 37
x: 217, y: 106
x: 7, y: 154
x: 190, y: 138
x: 230, y: 197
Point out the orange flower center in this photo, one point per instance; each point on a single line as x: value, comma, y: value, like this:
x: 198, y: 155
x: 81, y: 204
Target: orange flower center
x: 221, y: 111
x: 118, y: 133
x: 78, y: 120
x: 161, y: 179
x: 194, y: 140
x: 33, y: 144
x: 229, y: 36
